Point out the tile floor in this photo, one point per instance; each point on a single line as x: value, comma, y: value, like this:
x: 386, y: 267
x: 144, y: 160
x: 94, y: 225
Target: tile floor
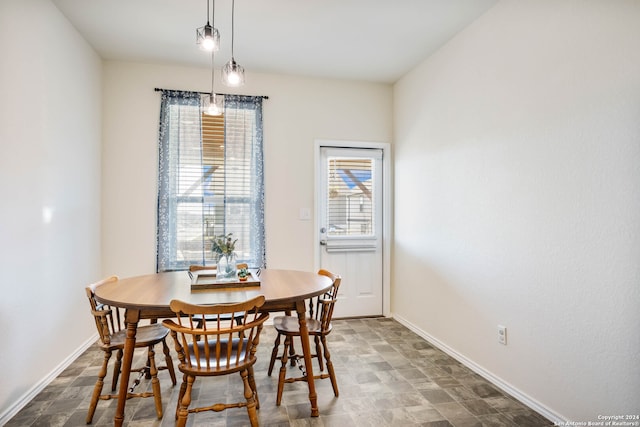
x: 387, y: 376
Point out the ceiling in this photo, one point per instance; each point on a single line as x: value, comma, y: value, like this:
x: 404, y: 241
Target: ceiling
x: 371, y: 40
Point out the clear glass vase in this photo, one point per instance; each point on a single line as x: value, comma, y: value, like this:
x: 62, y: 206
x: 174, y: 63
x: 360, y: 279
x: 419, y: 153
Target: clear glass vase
x: 226, y: 267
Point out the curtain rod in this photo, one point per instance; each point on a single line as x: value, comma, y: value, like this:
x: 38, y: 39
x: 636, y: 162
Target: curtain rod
x: 157, y: 89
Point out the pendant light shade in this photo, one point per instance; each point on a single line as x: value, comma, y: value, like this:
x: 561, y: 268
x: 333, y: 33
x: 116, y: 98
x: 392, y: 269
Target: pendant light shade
x: 207, y: 36
x: 213, y: 104
x: 232, y: 72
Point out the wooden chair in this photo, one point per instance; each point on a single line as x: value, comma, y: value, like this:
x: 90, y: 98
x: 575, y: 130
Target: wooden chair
x: 216, y: 347
x: 319, y: 325
x: 112, y: 337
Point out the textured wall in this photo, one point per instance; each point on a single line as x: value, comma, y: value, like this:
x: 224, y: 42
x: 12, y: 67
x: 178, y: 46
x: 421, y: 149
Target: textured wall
x: 50, y: 115
x: 517, y: 195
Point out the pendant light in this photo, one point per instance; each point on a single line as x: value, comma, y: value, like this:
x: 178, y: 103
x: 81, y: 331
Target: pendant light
x: 232, y: 72
x: 213, y: 103
x: 208, y: 37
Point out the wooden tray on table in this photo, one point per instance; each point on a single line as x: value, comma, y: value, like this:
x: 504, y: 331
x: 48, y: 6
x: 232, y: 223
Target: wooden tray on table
x: 207, y: 279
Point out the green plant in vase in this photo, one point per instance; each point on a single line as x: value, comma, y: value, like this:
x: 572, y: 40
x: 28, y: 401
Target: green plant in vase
x: 223, y: 246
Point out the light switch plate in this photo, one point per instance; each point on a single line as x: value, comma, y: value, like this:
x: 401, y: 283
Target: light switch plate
x: 305, y: 214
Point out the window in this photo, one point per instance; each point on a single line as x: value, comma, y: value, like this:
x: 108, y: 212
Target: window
x: 210, y: 180
x: 349, y: 199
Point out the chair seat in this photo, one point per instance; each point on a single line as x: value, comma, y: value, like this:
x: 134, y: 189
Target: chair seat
x: 289, y: 325
x: 223, y: 365
x: 145, y: 336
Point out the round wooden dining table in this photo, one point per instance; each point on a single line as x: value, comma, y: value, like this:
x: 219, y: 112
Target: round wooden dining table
x: 149, y: 296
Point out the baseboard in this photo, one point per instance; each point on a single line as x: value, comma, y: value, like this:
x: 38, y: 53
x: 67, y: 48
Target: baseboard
x: 492, y: 378
x: 38, y: 387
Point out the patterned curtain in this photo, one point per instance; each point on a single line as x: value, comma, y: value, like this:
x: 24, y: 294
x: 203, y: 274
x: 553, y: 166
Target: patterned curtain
x: 211, y: 180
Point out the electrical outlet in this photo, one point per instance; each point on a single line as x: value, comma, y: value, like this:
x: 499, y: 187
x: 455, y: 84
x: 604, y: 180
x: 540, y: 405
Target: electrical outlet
x: 502, y: 334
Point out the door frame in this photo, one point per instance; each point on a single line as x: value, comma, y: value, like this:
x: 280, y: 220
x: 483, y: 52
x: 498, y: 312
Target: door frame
x: 386, y: 208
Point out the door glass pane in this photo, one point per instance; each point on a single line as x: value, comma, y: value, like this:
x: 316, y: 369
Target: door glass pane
x: 350, y: 197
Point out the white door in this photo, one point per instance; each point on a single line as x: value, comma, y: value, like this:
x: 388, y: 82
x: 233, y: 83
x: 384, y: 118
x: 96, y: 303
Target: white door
x: 350, y: 226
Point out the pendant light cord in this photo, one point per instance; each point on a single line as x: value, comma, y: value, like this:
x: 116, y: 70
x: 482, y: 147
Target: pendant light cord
x: 213, y: 24
x: 233, y: 14
x: 213, y: 13
x: 212, y: 73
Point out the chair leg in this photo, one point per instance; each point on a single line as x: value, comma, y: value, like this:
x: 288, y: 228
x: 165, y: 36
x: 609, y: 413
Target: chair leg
x: 274, y: 354
x: 283, y: 370
x: 292, y: 353
x: 319, y: 352
x: 183, y: 388
x: 155, y: 383
x: 250, y: 397
x: 97, y: 389
x: 184, y: 402
x: 252, y: 383
x: 332, y: 374
x: 116, y: 370
x: 292, y: 350
x: 169, y: 361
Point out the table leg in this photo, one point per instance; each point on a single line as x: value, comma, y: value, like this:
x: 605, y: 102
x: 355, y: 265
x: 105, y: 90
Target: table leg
x: 306, y: 350
x: 131, y: 318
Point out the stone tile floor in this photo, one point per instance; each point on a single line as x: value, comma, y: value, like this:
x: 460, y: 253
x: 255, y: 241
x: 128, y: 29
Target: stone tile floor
x: 387, y: 376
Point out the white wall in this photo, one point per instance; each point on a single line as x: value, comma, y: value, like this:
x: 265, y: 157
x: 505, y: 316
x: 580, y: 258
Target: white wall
x: 50, y: 186
x: 298, y: 111
x: 517, y: 201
